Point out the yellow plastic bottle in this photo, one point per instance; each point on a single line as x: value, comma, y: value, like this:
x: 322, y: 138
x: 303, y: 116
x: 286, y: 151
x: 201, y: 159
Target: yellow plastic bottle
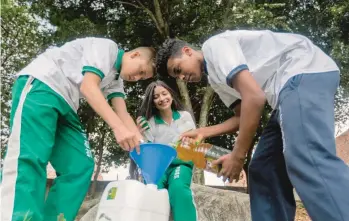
x: 201, y: 154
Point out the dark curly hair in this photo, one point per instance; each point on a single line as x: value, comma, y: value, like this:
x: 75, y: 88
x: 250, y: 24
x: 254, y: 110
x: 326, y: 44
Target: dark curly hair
x: 169, y: 49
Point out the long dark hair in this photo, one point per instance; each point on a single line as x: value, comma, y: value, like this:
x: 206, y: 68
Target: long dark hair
x: 148, y: 108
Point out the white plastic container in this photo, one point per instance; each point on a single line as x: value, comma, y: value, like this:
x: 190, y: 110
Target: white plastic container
x: 131, y: 200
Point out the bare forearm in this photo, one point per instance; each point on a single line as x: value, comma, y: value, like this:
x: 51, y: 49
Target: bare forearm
x: 251, y: 110
x: 120, y: 108
x: 97, y: 101
x: 229, y: 126
x: 128, y: 121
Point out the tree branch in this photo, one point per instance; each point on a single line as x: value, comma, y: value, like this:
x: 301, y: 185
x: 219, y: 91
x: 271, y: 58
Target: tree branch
x: 141, y: 4
x: 160, y: 19
x: 152, y: 17
x: 4, y: 60
x: 229, y: 3
x: 4, y: 30
x: 127, y: 3
x: 165, y: 13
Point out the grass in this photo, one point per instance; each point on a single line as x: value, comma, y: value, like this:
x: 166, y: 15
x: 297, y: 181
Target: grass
x: 60, y: 217
x: 26, y: 217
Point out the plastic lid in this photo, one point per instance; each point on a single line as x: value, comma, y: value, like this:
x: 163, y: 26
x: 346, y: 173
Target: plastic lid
x: 153, y: 160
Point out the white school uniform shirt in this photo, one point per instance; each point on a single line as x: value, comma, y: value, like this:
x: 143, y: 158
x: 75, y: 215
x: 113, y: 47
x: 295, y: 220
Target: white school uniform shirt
x: 165, y: 133
x: 272, y: 58
x: 62, y: 68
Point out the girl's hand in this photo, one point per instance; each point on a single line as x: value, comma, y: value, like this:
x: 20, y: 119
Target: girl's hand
x: 142, y: 124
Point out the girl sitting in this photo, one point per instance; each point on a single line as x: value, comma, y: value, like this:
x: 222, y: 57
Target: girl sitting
x: 167, y: 120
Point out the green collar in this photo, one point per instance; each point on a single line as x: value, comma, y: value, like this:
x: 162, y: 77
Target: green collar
x: 118, y: 62
x: 175, y: 116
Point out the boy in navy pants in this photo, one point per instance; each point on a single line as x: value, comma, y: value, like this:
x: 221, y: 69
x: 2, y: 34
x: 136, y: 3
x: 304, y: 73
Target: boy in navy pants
x: 297, y: 147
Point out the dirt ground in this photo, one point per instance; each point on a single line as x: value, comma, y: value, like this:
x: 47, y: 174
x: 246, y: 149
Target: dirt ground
x: 301, y: 213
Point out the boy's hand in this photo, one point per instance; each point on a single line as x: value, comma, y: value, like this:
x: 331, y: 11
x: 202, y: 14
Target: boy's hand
x: 140, y: 138
x: 192, y: 136
x: 232, y: 165
x: 127, y: 140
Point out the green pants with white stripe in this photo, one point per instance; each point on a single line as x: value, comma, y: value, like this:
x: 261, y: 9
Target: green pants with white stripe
x: 43, y: 128
x: 177, y: 180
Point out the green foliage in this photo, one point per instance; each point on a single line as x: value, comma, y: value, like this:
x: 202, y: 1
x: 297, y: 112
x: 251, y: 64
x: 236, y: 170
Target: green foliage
x: 130, y: 24
x: 77, y: 28
x: 22, y: 39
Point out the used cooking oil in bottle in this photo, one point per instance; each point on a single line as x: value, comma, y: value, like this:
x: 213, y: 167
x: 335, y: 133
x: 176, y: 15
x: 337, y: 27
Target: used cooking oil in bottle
x: 201, y: 154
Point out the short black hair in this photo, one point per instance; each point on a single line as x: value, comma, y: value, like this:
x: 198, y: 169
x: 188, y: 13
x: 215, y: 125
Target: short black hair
x: 170, y: 48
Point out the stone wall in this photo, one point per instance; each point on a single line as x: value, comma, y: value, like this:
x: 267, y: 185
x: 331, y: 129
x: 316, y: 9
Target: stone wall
x: 342, y: 142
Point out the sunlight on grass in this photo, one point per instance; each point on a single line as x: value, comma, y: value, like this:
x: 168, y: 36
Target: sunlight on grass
x: 61, y: 217
x: 26, y: 218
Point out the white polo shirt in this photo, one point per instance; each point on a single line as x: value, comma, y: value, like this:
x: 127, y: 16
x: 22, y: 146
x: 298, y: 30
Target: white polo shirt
x: 272, y: 58
x: 165, y: 133
x: 62, y: 68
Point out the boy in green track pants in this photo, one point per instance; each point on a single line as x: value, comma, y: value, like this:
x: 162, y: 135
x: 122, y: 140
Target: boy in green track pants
x: 45, y: 126
x: 166, y: 121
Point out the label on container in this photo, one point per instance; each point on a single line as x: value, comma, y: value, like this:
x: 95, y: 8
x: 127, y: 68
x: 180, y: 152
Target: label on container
x: 112, y: 193
x: 216, y: 152
x: 210, y: 167
x: 213, y: 154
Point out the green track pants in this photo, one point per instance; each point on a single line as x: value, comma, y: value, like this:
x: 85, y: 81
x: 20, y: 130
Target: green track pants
x: 177, y: 180
x: 43, y: 128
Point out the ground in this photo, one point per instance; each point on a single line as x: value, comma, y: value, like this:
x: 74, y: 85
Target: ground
x: 301, y: 213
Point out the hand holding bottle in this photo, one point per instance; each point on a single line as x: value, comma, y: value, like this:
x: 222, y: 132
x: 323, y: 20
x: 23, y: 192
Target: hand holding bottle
x: 192, y: 136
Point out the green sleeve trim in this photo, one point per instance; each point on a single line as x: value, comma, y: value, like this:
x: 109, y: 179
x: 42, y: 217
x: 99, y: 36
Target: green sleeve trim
x: 116, y: 94
x: 118, y: 61
x: 93, y: 70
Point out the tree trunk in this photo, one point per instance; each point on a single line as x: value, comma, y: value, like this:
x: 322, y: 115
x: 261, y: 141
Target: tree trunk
x: 90, y: 124
x: 100, y: 150
x: 183, y: 90
x: 206, y: 106
x: 198, y: 174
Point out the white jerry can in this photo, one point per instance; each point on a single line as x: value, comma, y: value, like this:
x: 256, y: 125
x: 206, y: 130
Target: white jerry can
x: 131, y: 200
